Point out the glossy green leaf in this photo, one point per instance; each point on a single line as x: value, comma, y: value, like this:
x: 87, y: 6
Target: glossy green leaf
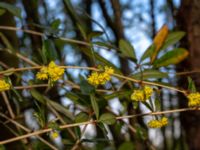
x: 107, y: 118
x: 174, y: 56
x: 150, y: 74
x: 94, y: 105
x: 11, y: 8
x: 127, y: 50
x: 173, y: 38
x: 148, y: 52
x: 81, y: 117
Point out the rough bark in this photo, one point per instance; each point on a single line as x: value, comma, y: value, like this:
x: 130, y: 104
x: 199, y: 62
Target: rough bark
x: 188, y: 20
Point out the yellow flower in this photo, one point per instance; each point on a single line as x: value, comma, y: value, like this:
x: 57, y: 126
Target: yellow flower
x: 43, y: 74
x: 52, y: 72
x: 97, y: 78
x: 54, y: 134
x: 148, y: 92
x: 138, y: 95
x: 158, y: 123
x: 3, y: 85
x: 142, y: 95
x: 194, y: 99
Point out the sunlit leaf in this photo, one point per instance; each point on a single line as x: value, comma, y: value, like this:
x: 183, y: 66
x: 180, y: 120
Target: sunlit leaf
x: 174, y: 56
x: 173, y: 38
x: 107, y: 118
x: 159, y: 41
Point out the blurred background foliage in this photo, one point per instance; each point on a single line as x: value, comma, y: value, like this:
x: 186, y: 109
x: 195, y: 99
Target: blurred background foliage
x: 116, y: 33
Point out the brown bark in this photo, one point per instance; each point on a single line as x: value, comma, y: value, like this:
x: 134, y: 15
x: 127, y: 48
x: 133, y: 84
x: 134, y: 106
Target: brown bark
x: 188, y: 20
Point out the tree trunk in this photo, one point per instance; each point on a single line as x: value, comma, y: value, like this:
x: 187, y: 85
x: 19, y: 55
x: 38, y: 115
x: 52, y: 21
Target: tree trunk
x: 188, y: 20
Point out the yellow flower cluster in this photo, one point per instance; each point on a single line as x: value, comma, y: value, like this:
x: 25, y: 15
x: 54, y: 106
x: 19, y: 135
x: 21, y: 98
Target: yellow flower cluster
x: 194, y: 99
x: 97, y: 78
x: 158, y: 123
x: 3, y: 85
x: 54, y: 134
x: 52, y: 72
x: 142, y: 95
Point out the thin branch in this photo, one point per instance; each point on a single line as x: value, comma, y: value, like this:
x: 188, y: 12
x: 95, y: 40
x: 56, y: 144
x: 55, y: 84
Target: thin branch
x: 43, y: 35
x: 8, y: 104
x: 27, y: 130
x: 94, y: 122
x: 95, y: 69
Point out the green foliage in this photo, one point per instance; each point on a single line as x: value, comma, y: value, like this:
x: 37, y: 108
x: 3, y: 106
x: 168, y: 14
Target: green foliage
x: 191, y: 85
x: 95, y: 105
x: 81, y: 117
x: 127, y: 50
x: 174, y: 56
x: 127, y: 146
x: 150, y: 74
x: 12, y: 9
x: 107, y: 118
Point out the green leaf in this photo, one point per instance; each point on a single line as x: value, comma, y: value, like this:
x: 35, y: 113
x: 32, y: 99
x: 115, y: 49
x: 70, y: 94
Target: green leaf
x: 55, y: 24
x: 174, y: 56
x: 119, y: 94
x: 44, y: 100
x: 157, y: 104
x: 150, y: 74
x: 81, y: 117
x: 107, y: 118
x: 127, y: 49
x: 127, y: 146
x: 85, y: 87
x: 95, y: 34
x: 103, y: 44
x: 37, y: 96
x: 49, y: 51
x: 191, y: 85
x: 94, y: 105
x: 173, y: 38
x: 148, y: 52
x: 11, y: 8
x: 2, y: 11
x: 141, y: 133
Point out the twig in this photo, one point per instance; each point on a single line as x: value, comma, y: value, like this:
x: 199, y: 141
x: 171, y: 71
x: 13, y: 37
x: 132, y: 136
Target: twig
x: 8, y: 104
x: 95, y: 69
x: 95, y: 121
x: 27, y: 130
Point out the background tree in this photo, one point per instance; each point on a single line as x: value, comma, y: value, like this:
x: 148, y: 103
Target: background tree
x: 93, y: 33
